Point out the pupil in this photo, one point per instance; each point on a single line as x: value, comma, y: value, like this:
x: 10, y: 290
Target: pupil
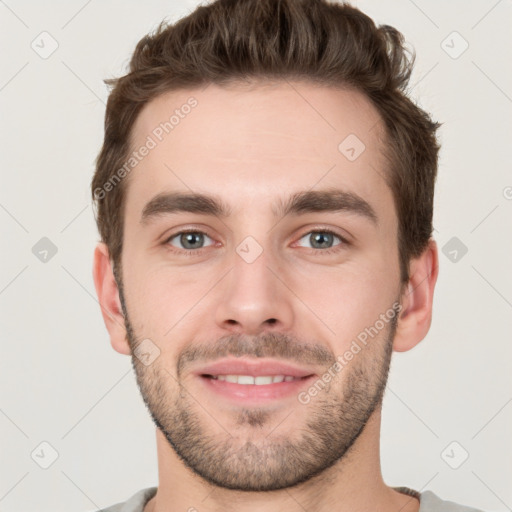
x: 187, y: 239
x: 322, y: 239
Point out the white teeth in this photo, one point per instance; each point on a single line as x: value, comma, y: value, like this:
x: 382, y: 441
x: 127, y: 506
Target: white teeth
x: 258, y: 381
x: 262, y: 380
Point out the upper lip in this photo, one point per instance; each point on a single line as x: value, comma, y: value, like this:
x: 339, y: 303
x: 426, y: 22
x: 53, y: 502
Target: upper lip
x: 253, y: 367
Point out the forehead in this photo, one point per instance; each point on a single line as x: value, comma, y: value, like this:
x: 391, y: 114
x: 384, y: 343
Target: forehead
x: 248, y: 144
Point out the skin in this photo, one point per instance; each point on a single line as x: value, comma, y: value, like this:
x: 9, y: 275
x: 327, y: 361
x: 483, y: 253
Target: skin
x: 251, y: 146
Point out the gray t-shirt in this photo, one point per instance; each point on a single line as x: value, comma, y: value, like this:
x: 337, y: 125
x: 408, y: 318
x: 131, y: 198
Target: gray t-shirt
x: 429, y: 502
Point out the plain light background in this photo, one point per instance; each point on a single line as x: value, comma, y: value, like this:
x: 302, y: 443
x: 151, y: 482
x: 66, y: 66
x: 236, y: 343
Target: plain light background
x: 63, y: 384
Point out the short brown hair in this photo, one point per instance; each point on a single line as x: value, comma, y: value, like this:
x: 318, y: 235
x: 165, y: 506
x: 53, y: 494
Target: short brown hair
x: 230, y: 41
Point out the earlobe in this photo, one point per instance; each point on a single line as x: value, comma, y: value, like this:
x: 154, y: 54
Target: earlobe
x: 417, y: 297
x: 108, y: 297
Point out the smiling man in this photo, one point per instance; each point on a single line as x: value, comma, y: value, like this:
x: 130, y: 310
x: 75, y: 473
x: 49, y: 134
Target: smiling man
x: 264, y: 198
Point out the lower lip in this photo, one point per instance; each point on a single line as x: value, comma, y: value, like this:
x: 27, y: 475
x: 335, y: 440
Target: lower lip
x: 255, y: 393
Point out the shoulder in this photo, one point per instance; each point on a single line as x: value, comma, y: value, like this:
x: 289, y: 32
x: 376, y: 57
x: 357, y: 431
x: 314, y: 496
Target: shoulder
x: 430, y: 502
x: 134, y: 504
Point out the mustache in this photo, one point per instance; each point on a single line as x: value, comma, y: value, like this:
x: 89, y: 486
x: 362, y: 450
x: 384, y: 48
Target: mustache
x: 275, y: 345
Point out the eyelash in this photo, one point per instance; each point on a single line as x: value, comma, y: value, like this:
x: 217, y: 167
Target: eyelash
x: 194, y: 252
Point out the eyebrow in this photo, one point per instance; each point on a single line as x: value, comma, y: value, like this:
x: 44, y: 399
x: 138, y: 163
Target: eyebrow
x: 330, y: 200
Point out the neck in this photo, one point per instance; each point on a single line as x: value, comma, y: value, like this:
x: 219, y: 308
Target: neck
x: 353, y: 484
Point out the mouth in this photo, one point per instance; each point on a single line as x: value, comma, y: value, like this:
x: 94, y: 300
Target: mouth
x: 253, y: 381
x: 258, y: 380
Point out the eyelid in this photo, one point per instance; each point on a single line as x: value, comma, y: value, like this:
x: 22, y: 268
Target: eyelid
x: 189, y: 228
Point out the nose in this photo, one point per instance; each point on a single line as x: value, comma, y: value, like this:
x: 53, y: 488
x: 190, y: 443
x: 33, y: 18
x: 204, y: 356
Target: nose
x: 253, y: 298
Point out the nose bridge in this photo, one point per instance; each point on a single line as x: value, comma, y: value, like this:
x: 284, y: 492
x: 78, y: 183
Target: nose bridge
x: 253, y: 298
x: 251, y: 274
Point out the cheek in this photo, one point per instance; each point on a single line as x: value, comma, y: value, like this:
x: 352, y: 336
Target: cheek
x: 347, y: 298
x: 164, y: 302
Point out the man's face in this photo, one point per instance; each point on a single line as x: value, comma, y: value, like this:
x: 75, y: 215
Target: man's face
x: 260, y: 286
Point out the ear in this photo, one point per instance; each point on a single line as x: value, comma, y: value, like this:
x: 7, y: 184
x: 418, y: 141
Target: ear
x: 108, y: 297
x: 417, y: 296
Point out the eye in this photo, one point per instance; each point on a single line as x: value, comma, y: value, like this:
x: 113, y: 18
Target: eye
x: 192, y: 241
x: 188, y: 241
x: 323, y: 240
